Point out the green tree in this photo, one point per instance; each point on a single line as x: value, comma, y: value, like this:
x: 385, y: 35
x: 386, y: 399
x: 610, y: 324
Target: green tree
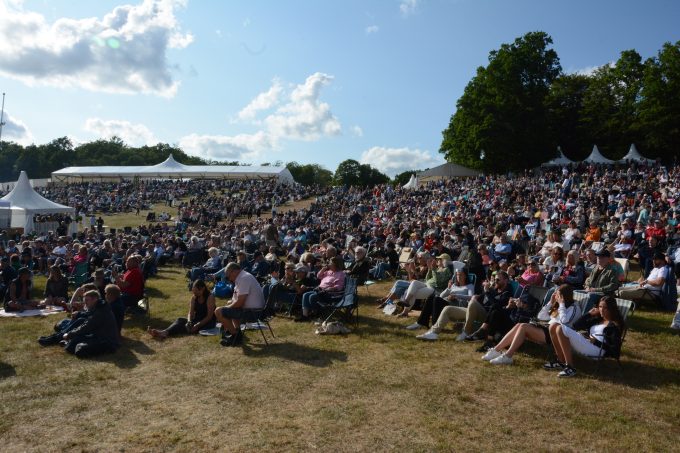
x: 403, y: 178
x: 564, y: 109
x: 502, y: 110
x: 660, y: 104
x: 352, y: 173
x: 310, y: 174
x: 610, y: 105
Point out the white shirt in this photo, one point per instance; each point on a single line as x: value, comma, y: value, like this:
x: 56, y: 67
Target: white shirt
x: 246, y: 284
x: 655, y: 274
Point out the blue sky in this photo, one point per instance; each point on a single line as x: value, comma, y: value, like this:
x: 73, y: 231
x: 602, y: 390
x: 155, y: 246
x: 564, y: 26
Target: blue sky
x: 261, y: 81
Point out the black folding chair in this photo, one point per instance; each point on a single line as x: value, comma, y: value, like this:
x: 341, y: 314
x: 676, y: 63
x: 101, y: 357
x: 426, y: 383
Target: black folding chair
x: 347, y: 304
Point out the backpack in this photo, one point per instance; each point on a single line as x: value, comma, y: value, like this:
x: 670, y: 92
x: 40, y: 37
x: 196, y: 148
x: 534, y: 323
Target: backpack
x: 669, y: 292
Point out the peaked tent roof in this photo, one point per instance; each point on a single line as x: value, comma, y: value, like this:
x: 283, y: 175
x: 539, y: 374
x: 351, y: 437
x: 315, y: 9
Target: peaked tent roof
x: 412, y: 183
x: 24, y: 197
x: 561, y: 160
x: 633, y: 154
x: 447, y: 170
x: 597, y: 158
x: 170, y: 168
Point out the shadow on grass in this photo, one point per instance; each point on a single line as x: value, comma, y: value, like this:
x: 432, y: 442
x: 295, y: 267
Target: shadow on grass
x: 6, y: 370
x: 651, y: 326
x: 296, y: 353
x: 632, y: 374
x: 125, y: 356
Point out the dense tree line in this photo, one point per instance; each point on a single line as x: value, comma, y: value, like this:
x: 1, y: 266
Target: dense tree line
x: 39, y: 161
x: 516, y: 111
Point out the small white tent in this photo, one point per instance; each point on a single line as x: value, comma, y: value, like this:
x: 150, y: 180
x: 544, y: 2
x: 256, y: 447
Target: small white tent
x: 26, y: 202
x: 597, y: 158
x: 412, y: 183
x: 633, y: 154
x: 558, y: 161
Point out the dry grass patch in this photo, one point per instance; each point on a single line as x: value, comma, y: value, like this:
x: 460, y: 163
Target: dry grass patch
x: 376, y: 389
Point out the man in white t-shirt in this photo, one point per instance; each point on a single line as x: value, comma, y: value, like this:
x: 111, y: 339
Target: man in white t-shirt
x: 247, y: 296
x: 652, y: 284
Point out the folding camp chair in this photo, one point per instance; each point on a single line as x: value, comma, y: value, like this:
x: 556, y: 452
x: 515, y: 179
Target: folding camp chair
x: 625, y: 264
x: 626, y: 308
x: 261, y: 316
x: 404, y: 256
x: 346, y: 304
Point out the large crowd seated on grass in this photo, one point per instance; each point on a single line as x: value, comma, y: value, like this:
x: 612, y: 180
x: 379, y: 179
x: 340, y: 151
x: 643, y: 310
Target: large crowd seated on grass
x: 542, y: 228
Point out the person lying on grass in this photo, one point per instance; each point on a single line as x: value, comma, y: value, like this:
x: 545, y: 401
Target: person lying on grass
x: 201, y: 314
x: 603, y: 326
x: 562, y: 312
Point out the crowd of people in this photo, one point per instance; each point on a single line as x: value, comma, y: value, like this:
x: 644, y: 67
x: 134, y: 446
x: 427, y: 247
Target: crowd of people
x: 465, y: 251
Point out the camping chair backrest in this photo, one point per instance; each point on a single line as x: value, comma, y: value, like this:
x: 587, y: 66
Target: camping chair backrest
x: 516, y: 288
x: 405, y: 255
x: 349, y: 296
x: 539, y: 292
x: 472, y: 278
x: 581, y: 300
x: 458, y: 265
x: 669, y: 292
x: 625, y: 265
x: 626, y: 307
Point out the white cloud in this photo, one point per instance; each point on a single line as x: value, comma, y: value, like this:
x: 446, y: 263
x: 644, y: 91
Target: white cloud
x: 590, y: 70
x: 372, y: 29
x: 242, y: 147
x: 15, y: 130
x: 302, y: 116
x: 123, y: 52
x: 408, y: 7
x: 392, y: 161
x: 131, y: 134
x: 305, y: 117
x: 262, y: 101
x: 357, y: 131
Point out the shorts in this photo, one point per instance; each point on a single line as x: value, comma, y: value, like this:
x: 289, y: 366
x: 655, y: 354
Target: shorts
x: 546, y: 332
x: 232, y: 313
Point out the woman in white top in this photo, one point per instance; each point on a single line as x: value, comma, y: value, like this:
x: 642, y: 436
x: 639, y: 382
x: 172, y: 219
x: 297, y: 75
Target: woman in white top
x: 561, y: 310
x: 459, y: 291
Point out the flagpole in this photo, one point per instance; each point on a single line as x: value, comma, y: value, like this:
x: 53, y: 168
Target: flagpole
x: 2, y: 117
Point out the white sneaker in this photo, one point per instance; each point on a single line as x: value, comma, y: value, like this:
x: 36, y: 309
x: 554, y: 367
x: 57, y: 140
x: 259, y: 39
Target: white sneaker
x: 415, y: 326
x: 501, y: 360
x: 491, y: 354
x: 462, y: 336
x: 429, y: 335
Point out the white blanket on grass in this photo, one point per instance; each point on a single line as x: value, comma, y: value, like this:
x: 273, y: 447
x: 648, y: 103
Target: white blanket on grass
x: 27, y: 313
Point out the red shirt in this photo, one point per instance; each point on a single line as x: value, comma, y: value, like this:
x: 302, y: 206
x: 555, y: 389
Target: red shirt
x: 136, y: 282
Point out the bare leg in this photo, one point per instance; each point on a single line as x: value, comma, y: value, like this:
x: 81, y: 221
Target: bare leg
x: 508, y: 339
x: 526, y: 332
x: 563, y: 347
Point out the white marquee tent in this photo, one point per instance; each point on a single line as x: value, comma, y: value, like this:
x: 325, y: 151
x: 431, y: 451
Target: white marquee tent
x: 26, y: 202
x: 597, y: 158
x: 633, y: 154
x: 412, y: 183
x: 558, y: 161
x: 170, y: 168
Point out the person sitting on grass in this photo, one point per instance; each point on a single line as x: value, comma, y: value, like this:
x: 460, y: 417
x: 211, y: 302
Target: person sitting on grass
x: 98, y: 334
x: 247, y: 296
x: 56, y: 287
x: 331, y: 283
x: 201, y: 314
x: 18, y: 296
x: 604, y: 326
x: 78, y: 314
x: 112, y: 297
x: 562, y: 311
x: 459, y: 292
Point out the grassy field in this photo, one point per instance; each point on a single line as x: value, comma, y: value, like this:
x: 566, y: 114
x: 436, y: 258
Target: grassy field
x: 376, y: 389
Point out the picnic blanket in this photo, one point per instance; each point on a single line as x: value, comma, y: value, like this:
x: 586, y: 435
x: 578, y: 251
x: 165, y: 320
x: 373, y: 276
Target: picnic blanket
x: 27, y: 313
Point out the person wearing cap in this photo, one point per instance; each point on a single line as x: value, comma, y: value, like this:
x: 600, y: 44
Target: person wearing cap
x: 656, y: 230
x: 18, y: 296
x: 604, y: 278
x: 260, y: 267
x: 652, y: 284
